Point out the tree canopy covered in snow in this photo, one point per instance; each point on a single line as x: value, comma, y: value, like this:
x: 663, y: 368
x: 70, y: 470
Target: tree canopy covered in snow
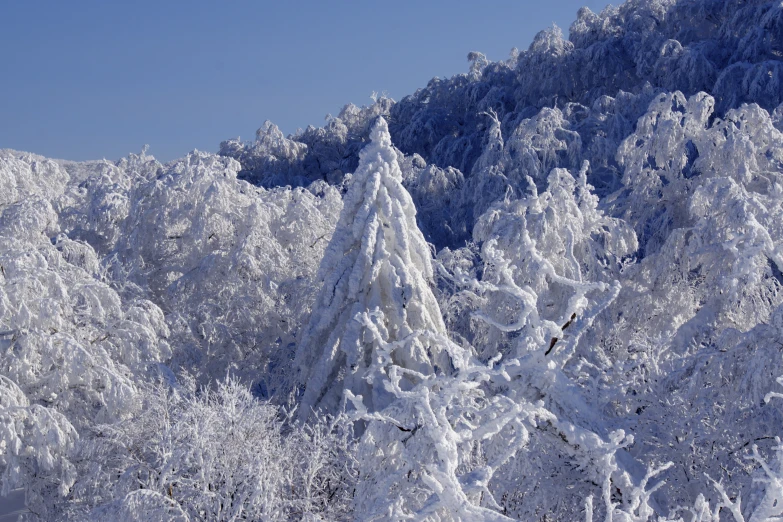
x: 550, y: 288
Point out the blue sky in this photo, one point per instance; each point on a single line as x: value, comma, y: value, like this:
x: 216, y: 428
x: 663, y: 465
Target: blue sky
x: 93, y: 79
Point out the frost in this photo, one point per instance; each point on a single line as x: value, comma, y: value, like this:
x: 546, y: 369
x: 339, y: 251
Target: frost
x: 550, y: 288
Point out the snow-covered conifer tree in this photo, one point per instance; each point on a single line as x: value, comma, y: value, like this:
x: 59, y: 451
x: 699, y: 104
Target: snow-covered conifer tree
x: 376, y: 261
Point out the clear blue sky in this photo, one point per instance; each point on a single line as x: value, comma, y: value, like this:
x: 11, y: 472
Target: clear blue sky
x: 92, y: 79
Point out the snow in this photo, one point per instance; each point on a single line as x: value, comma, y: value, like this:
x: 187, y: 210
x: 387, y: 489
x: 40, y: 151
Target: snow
x: 550, y: 288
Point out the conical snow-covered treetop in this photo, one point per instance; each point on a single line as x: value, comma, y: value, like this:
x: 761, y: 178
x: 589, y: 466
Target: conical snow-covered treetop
x: 377, y: 262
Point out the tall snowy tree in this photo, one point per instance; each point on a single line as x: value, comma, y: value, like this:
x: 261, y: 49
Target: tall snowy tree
x: 376, y: 261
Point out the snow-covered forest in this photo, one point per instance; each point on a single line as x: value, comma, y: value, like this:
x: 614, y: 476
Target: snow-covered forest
x: 548, y: 289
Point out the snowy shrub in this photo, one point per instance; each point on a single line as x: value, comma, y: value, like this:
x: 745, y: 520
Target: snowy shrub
x: 215, y: 455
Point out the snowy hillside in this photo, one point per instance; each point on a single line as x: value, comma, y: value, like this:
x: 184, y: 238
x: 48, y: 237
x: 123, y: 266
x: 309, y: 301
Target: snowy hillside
x: 548, y: 289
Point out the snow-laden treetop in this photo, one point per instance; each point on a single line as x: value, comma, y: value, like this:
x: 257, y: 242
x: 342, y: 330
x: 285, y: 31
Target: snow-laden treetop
x: 376, y: 261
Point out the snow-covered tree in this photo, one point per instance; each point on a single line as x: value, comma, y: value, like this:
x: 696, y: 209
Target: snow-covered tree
x: 72, y: 349
x: 377, y: 259
x: 196, y: 220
